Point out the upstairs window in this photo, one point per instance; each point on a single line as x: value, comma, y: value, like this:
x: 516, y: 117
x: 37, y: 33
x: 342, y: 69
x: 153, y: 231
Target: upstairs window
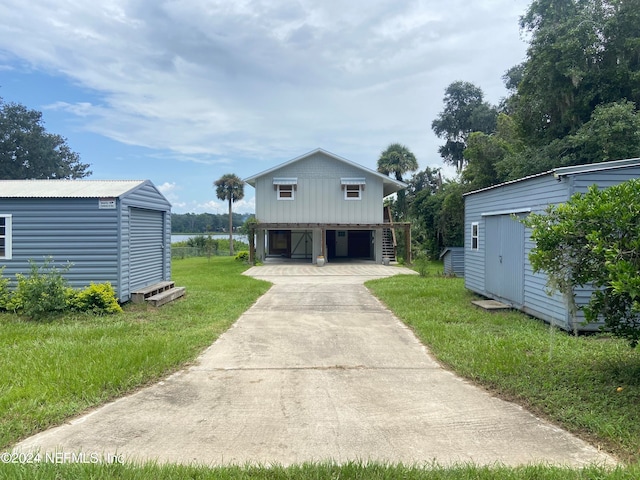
x: 285, y: 188
x: 5, y: 237
x: 285, y: 192
x: 353, y: 188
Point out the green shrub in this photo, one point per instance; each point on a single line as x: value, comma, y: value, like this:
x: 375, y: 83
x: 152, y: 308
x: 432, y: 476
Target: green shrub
x: 242, y: 256
x: 42, y: 293
x: 421, y: 265
x: 98, y: 298
x: 5, y: 294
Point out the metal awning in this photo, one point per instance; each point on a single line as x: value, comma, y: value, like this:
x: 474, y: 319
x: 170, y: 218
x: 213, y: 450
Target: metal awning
x: 352, y: 181
x: 285, y: 181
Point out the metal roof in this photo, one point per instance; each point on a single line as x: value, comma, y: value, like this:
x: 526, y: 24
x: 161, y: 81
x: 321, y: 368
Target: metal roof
x: 67, y: 188
x: 566, y: 171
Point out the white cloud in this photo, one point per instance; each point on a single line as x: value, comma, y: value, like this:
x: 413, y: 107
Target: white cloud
x: 247, y: 84
x: 166, y: 188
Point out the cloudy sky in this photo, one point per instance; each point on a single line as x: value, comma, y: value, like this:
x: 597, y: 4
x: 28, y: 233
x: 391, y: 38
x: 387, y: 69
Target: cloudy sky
x: 184, y: 91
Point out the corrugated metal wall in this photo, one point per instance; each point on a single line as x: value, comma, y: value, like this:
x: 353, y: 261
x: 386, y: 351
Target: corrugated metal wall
x: 145, y: 199
x: 94, y: 240
x: 453, y: 259
x: 146, y: 246
x: 68, y: 230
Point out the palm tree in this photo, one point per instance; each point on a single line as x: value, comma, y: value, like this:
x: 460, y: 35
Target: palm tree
x: 398, y: 160
x: 231, y: 188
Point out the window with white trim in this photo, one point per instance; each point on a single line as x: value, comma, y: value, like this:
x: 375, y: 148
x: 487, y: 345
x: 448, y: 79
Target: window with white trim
x: 285, y: 188
x: 285, y: 192
x: 475, y: 235
x: 353, y: 188
x: 5, y: 237
x: 352, y: 192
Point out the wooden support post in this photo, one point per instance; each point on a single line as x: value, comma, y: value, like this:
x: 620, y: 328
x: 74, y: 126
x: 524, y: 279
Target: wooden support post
x: 323, y: 241
x: 252, y: 245
x: 407, y: 244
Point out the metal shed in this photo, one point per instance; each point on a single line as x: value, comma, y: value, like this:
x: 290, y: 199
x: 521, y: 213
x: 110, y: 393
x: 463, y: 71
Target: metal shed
x: 110, y: 231
x: 497, y: 245
x: 453, y: 259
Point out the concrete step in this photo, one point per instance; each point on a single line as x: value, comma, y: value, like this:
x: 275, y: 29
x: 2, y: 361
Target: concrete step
x: 166, y: 296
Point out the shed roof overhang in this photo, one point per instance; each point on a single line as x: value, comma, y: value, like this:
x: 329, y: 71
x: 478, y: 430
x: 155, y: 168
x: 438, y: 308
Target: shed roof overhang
x: 561, y: 172
x: 59, y: 188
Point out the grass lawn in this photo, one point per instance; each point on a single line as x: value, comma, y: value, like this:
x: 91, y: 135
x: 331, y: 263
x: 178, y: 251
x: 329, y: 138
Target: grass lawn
x: 589, y: 384
x: 55, y: 370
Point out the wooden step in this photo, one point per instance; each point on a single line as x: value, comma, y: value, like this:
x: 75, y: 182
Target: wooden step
x: 141, y: 294
x: 166, y: 296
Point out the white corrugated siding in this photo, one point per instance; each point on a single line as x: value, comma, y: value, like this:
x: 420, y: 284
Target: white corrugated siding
x: 319, y: 196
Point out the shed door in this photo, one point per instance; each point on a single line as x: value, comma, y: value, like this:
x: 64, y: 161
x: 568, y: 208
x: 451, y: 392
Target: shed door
x: 146, y: 240
x: 504, y: 258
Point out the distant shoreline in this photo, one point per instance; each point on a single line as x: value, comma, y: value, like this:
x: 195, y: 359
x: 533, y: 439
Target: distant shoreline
x: 183, y: 237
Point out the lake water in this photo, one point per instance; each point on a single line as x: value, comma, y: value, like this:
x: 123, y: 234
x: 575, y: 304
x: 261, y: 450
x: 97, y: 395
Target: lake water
x: 184, y: 238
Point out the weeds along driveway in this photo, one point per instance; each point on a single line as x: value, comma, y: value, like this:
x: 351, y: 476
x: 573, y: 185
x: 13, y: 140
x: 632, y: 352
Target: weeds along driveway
x: 317, y: 370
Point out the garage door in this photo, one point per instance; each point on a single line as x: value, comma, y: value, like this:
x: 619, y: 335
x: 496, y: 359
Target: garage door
x: 146, y: 237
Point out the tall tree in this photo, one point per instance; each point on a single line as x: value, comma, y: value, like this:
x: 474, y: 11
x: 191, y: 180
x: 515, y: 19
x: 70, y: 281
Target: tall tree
x: 439, y: 217
x: 465, y: 111
x: 28, y: 151
x: 582, y: 53
x: 485, y: 154
x: 397, y: 159
x: 230, y: 187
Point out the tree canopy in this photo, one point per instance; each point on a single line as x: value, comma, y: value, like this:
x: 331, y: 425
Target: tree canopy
x: 397, y: 159
x: 230, y: 187
x: 573, y: 100
x: 465, y: 111
x: 28, y: 151
x: 593, y: 240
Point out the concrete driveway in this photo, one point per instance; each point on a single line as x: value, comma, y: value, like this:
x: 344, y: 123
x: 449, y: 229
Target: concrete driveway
x: 317, y: 370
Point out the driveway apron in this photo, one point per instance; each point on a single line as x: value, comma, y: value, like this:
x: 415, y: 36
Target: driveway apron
x: 317, y: 370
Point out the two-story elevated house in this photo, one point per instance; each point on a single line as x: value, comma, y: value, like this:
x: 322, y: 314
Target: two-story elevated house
x: 322, y: 205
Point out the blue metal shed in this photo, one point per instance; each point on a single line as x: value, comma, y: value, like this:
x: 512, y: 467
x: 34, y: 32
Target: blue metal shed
x: 497, y: 245
x: 110, y: 231
x: 453, y: 259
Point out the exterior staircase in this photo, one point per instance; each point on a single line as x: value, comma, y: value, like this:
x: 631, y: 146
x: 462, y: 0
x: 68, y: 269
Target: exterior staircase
x: 389, y: 244
x: 158, y: 293
x: 388, y: 247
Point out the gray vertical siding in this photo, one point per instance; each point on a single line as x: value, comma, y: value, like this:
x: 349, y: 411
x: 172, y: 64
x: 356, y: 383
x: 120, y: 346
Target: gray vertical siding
x: 319, y: 197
